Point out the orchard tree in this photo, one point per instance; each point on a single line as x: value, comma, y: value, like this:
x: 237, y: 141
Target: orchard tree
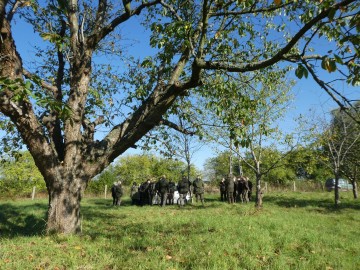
x: 254, y: 128
x: 335, y: 141
x: 341, y: 146
x: 351, y: 164
x: 56, y: 101
x: 184, y: 145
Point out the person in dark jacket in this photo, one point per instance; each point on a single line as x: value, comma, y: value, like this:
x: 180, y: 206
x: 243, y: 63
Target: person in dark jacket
x: 198, y: 185
x: 230, y: 187
x: 134, y: 194
x: 117, y: 192
x: 183, y: 189
x: 145, y: 194
x: 170, y: 195
x: 223, y: 195
x: 113, y: 193
x: 162, y: 188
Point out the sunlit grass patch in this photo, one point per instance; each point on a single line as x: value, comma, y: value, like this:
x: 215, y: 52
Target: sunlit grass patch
x: 291, y: 231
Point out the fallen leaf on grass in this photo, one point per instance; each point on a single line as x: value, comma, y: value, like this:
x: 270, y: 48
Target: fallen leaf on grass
x: 168, y: 257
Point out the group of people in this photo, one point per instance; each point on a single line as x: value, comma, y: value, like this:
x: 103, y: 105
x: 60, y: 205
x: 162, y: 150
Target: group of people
x: 233, y: 189
x: 150, y: 191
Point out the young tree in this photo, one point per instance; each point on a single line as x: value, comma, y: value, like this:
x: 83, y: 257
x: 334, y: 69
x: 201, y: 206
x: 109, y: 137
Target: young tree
x: 341, y: 142
x: 184, y: 145
x: 55, y: 105
x: 351, y: 164
x: 252, y: 118
x: 335, y: 142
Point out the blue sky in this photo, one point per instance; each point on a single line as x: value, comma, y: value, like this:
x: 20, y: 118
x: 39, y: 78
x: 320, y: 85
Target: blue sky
x: 307, y: 94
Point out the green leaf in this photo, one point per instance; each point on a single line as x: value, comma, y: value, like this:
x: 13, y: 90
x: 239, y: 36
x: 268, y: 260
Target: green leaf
x: 332, y: 14
x: 338, y: 59
x: 299, y: 72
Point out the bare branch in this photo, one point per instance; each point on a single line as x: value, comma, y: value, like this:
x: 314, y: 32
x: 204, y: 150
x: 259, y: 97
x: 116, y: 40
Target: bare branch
x: 176, y: 127
x: 329, y: 90
x: 250, y: 11
x: 172, y: 10
x: 95, y: 38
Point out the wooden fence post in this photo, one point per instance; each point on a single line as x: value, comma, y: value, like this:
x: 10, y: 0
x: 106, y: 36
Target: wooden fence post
x: 33, y: 193
x: 294, y: 186
x: 105, y: 190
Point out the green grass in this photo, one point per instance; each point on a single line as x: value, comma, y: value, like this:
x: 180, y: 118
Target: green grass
x: 292, y: 231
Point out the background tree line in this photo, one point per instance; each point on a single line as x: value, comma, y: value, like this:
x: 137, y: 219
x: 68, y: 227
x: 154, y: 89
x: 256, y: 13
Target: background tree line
x: 20, y: 175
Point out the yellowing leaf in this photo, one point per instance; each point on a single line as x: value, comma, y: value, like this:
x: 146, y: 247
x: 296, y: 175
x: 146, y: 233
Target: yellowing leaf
x: 277, y: 2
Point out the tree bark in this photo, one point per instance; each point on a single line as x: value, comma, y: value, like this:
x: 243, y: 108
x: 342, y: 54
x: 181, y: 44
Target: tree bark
x: 259, y: 194
x: 355, y: 191
x: 337, y: 195
x: 64, y: 206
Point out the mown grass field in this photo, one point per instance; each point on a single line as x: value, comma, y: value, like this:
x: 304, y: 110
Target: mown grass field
x: 293, y: 231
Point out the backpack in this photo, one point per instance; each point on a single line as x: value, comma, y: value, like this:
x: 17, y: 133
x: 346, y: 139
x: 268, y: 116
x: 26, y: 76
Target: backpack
x: 198, y: 183
x: 183, y: 187
x: 163, y: 185
x: 171, y: 187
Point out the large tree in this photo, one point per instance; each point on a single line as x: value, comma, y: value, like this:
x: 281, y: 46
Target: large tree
x: 54, y: 105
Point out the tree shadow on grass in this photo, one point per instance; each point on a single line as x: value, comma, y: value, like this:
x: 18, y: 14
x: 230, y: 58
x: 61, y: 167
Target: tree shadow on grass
x: 15, y: 220
x: 325, y: 204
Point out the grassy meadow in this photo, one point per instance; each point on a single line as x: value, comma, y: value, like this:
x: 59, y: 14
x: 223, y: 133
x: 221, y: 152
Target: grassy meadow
x: 294, y: 230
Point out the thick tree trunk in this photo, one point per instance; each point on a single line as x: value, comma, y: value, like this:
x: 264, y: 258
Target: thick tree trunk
x: 64, y: 207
